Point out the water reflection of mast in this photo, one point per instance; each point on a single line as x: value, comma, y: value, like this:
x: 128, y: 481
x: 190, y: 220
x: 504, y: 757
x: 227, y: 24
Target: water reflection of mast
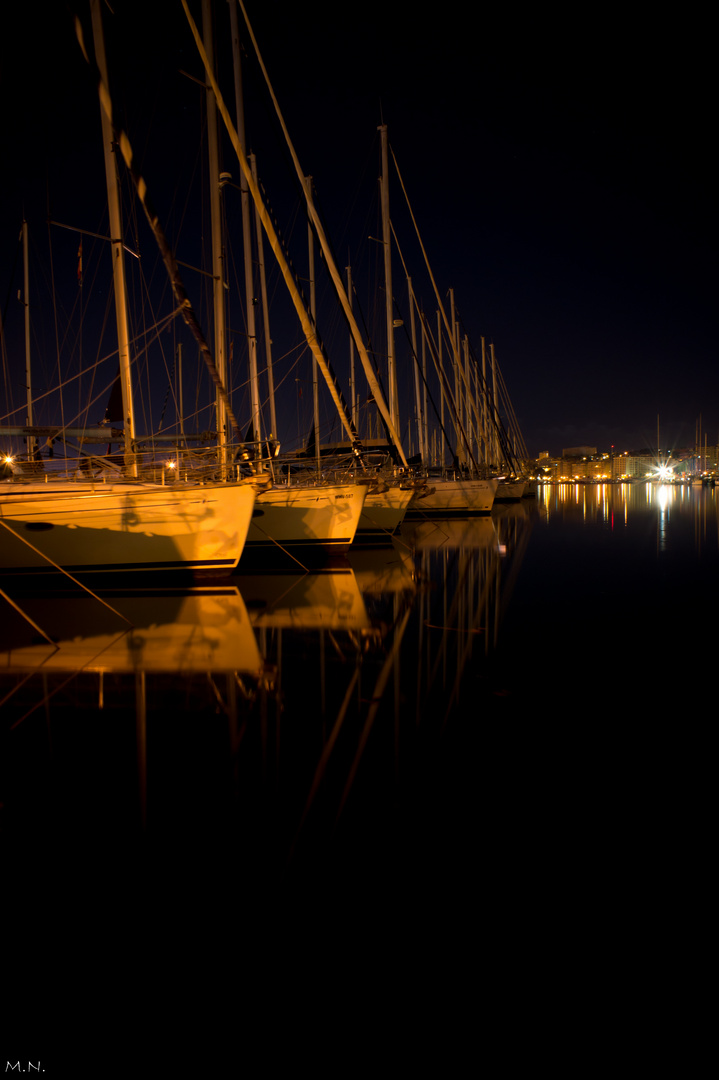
x: 476, y: 563
x: 391, y: 665
x: 146, y: 645
x: 402, y: 607
x: 328, y: 604
x: 514, y: 527
x: 296, y: 617
x: 466, y: 615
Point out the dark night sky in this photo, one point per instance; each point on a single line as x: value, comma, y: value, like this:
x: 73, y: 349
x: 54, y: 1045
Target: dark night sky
x: 559, y: 168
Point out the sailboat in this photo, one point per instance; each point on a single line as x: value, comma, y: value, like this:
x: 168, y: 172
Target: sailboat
x: 126, y: 520
x: 297, y: 520
x: 454, y: 492
x: 484, y: 465
x: 84, y: 527
x: 386, y: 496
x: 118, y: 525
x: 505, y: 443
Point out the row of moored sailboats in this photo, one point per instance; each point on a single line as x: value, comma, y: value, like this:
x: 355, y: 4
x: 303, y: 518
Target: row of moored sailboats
x: 161, y: 510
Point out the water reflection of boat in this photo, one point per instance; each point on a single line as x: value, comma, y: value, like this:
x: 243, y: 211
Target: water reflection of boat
x: 330, y: 601
x: 449, y: 533
x: 362, y: 672
x: 385, y: 569
x: 517, y: 511
x: 140, y: 666
x: 173, y: 631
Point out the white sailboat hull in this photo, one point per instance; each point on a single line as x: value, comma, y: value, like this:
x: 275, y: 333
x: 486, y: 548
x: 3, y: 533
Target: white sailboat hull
x: 454, y: 498
x: 308, y: 523
x: 382, y: 515
x: 509, y: 490
x: 108, y: 528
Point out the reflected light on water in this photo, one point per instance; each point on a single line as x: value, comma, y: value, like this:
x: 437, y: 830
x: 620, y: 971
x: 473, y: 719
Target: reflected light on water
x: 291, y: 712
x: 677, y: 510
x: 663, y: 499
x: 397, y: 720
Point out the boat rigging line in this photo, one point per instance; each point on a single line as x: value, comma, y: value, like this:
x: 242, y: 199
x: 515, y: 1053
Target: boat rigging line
x: 188, y: 314
x: 317, y: 225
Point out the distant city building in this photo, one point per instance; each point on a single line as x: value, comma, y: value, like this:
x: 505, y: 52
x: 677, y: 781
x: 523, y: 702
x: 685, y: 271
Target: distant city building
x: 577, y: 467
x: 592, y: 467
x: 549, y: 467
x: 618, y: 469
x: 638, y: 464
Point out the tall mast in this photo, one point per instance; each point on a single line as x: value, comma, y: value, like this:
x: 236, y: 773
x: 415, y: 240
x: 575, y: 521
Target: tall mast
x: 389, y: 312
x: 353, y: 391
x: 451, y: 333
x: 26, y: 305
x: 457, y: 375
x: 305, y: 320
x: 441, y: 381
x: 468, y: 390
x: 246, y: 237
x: 476, y: 407
x: 319, y: 230
x: 495, y: 404
x: 265, y: 306
x: 485, y: 407
x: 118, y: 263
x: 417, y: 389
x: 313, y: 313
x: 218, y: 276
x: 180, y: 402
x: 425, y: 439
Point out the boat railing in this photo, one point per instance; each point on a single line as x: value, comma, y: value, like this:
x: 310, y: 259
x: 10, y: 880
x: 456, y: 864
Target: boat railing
x: 155, y: 462
x: 162, y: 465
x: 453, y: 472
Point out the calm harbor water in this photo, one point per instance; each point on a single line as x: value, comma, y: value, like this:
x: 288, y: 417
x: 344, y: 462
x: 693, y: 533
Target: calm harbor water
x: 288, y: 717
x: 364, y: 715
x: 487, y: 745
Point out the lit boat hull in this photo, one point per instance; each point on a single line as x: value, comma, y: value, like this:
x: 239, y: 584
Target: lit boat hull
x: 509, y: 490
x: 306, y: 524
x: 382, y: 515
x: 109, y: 528
x: 454, y: 498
